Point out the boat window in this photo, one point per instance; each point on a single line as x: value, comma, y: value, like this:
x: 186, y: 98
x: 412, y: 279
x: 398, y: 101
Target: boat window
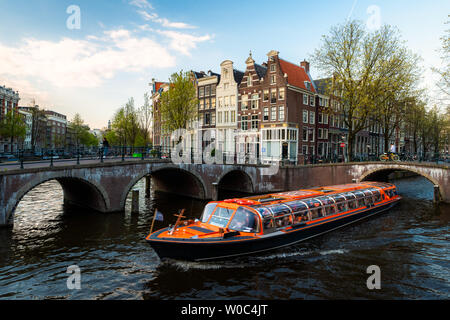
x: 244, y: 220
x: 268, y: 224
x: 209, y: 208
x: 376, y: 196
x: 221, y: 217
x: 361, y: 202
x: 331, y: 209
x: 352, y: 204
x: 394, y: 191
x: 279, y: 209
x: 315, y: 214
x: 296, y: 206
x: 283, y: 221
x: 341, y: 207
x: 301, y: 216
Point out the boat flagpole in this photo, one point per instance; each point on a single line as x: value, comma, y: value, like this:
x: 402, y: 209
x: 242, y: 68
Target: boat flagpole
x: 153, y: 221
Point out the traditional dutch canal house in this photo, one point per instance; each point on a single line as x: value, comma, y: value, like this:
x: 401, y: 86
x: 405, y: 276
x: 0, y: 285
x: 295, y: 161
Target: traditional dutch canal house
x: 227, y: 107
x: 288, y: 129
x: 250, y: 112
x: 206, y: 94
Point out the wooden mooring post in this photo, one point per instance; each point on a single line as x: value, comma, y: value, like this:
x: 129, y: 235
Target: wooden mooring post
x: 135, y: 201
x: 437, y: 196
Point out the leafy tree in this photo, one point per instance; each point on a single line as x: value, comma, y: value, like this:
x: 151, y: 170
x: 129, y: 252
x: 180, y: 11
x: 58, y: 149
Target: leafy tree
x: 364, y: 65
x: 179, y: 103
x: 145, y: 114
x: 13, y: 127
x: 81, y: 132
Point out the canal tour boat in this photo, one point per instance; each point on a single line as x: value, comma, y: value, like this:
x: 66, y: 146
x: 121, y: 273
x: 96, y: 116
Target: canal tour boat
x: 255, y: 224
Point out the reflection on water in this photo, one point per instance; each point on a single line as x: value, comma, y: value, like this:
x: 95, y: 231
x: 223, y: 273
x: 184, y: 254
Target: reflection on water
x: 410, y: 244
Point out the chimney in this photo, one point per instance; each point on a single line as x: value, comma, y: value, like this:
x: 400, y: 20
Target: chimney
x: 305, y: 65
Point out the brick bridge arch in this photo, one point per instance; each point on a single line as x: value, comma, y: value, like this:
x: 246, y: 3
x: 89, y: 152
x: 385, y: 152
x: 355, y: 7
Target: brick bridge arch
x: 189, y: 183
x: 380, y: 172
x: 237, y: 180
x: 76, y: 190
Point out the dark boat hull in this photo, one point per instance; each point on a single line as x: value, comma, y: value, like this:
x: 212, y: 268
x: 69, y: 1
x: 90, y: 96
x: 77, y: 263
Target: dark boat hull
x: 218, y: 248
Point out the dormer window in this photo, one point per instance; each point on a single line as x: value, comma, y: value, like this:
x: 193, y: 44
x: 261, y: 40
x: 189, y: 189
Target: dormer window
x: 308, y: 85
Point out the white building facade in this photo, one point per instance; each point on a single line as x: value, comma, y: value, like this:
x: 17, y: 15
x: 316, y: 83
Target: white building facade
x: 227, y: 96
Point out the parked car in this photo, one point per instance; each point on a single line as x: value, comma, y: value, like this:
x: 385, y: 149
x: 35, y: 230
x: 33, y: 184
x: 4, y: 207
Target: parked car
x: 7, y: 157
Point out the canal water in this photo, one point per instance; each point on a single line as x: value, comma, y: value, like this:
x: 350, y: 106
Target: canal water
x: 410, y: 244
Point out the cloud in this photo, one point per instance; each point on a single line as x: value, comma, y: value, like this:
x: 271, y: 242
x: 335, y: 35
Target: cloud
x: 163, y: 21
x: 183, y: 42
x: 144, y: 4
x: 83, y: 63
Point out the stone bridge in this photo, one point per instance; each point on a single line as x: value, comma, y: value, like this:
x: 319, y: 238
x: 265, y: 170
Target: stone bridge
x: 105, y: 186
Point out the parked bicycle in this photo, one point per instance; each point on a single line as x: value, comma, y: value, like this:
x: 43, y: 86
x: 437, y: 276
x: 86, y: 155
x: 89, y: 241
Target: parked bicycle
x: 389, y: 157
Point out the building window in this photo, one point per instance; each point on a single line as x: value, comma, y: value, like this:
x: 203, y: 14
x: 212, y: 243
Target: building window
x: 325, y: 118
x: 273, y: 96
x: 305, y: 134
x: 244, y: 102
x: 320, y: 117
x: 213, y: 90
x: 207, y: 91
x: 202, y: 104
x: 213, y: 119
x: 281, y: 113
x: 266, y: 114
x: 249, y: 80
x: 254, y: 121
x: 312, y: 117
x: 233, y: 116
x: 266, y: 95
x: 219, y: 117
x: 305, y: 116
x: 320, y: 132
x: 213, y: 103
x: 273, y: 68
x: 305, y: 99
x: 312, y: 101
x: 244, y: 123
x: 201, y: 91
x: 281, y: 94
x: 254, y: 101
x: 312, y: 135
x: 273, y: 79
x: 207, y: 104
x: 325, y: 133
x: 207, y: 119
x: 305, y: 150
x: 274, y: 114
x: 226, y: 117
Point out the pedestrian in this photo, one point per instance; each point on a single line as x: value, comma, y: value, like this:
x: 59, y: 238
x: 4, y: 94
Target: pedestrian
x: 105, y: 146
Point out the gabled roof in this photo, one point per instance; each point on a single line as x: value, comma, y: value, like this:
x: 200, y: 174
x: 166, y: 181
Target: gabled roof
x: 260, y: 70
x: 296, y: 75
x: 238, y: 75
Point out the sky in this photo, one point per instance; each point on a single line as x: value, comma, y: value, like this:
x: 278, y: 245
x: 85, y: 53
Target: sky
x: 91, y: 56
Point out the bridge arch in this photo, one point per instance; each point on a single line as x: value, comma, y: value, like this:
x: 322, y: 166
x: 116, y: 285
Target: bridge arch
x: 381, y: 174
x: 172, y: 180
x: 236, y: 180
x: 77, y: 191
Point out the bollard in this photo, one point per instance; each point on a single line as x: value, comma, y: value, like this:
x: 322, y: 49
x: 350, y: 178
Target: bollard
x: 135, y: 201
x: 436, y: 198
